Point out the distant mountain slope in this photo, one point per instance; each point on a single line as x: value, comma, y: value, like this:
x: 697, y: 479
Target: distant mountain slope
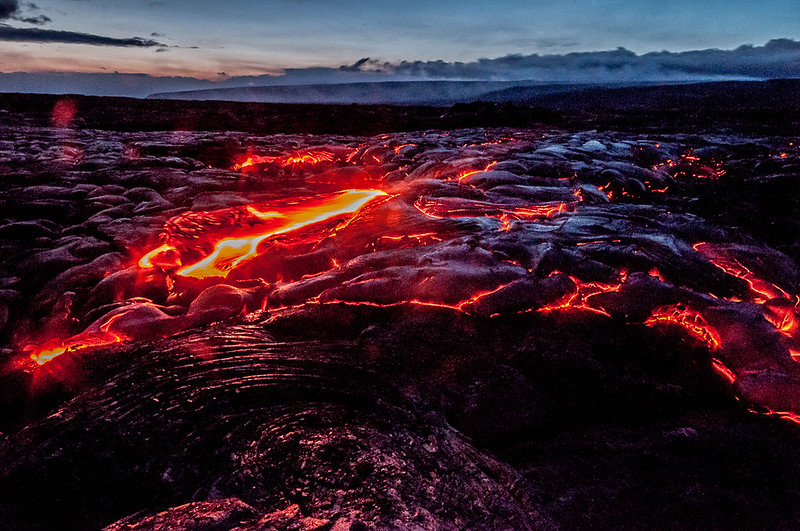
x: 388, y: 92
x: 710, y: 95
x: 531, y: 93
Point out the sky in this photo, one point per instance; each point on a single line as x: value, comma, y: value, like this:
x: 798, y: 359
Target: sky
x: 220, y: 41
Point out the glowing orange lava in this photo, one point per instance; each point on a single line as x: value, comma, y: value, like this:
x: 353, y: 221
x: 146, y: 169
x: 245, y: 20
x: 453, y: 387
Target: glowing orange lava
x: 399, y: 148
x: 723, y: 371
x: 229, y: 252
x: 145, y: 261
x: 654, y: 272
x: 785, y: 415
x: 403, y: 241
x: 252, y: 160
x: 50, y: 350
x: 778, y: 308
x: 764, y: 290
x: 583, y: 290
x: 783, y: 318
x: 689, y: 320
x: 459, y: 306
x: 465, y: 174
x: 307, y: 157
x: 455, y: 207
x: 312, y: 157
x: 235, y: 235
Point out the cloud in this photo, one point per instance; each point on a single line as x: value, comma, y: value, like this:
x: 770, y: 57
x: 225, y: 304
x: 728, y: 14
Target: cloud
x: 8, y: 8
x: 39, y: 20
x: 11, y: 34
x: 355, y: 67
x: 777, y: 58
x: 554, y: 43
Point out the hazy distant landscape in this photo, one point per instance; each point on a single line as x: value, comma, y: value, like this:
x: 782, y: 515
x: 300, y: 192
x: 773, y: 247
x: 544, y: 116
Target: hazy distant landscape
x: 438, y: 93
x: 765, y: 106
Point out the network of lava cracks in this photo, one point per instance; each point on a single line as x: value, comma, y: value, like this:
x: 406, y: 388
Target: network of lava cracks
x: 211, y: 245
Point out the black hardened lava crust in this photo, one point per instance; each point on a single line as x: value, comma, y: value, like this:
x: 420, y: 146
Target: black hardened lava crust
x: 358, y: 385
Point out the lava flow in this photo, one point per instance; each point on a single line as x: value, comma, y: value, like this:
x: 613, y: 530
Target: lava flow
x: 456, y: 207
x: 762, y: 289
x: 307, y: 157
x: 578, y: 299
x: 98, y: 335
x: 508, y: 267
x: 247, y: 228
x: 233, y: 236
x: 691, y: 321
x: 779, y: 308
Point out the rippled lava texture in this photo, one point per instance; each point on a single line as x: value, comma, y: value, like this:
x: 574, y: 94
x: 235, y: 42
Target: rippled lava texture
x: 507, y: 328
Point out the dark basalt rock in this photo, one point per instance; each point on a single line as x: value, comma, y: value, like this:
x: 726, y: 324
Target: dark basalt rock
x: 28, y: 229
x: 355, y: 459
x: 207, y: 515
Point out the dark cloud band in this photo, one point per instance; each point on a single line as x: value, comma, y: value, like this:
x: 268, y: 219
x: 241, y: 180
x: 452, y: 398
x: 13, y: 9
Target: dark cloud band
x: 10, y: 34
x: 777, y: 58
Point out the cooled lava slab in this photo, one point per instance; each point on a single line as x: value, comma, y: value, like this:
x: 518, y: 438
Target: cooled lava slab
x: 416, y: 330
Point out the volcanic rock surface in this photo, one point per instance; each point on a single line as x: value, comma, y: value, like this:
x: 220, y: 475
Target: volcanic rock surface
x: 465, y: 329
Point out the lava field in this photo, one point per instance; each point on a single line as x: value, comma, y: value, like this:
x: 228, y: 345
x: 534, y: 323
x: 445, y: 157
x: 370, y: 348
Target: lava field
x: 481, y: 328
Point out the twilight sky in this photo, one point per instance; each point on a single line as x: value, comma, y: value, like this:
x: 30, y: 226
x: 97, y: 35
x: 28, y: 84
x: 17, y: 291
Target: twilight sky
x: 204, y: 38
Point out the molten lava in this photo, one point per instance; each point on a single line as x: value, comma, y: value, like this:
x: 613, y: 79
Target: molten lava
x: 456, y: 207
x: 309, y: 158
x: 690, y: 320
x: 238, y: 232
x: 252, y: 160
x: 764, y: 290
x: 231, y: 237
x: 103, y: 336
x: 578, y: 299
x: 405, y: 240
x: 306, y: 157
x: 465, y: 174
x: 723, y: 371
x: 784, y: 318
x: 779, y: 308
